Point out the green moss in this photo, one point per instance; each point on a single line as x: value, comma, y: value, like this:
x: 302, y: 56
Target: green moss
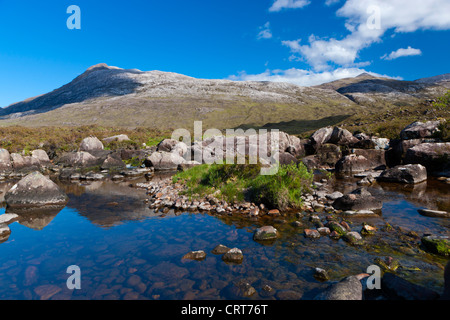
x: 437, y: 245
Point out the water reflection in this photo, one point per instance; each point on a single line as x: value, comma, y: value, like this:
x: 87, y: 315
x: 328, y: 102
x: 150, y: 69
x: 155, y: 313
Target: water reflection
x: 37, y: 218
x: 125, y: 252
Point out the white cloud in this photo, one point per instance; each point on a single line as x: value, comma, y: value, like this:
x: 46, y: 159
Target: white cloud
x: 402, y: 53
x: 396, y: 15
x: 265, y: 32
x: 331, y: 2
x: 302, y: 77
x: 278, y: 5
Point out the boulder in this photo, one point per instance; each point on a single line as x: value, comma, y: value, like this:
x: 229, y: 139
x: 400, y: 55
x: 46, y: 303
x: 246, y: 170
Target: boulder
x: 434, y: 156
x: 41, y: 156
x: 376, y: 158
x: 172, y: 145
x: 20, y: 162
x: 349, y: 288
x: 410, y: 173
x: 286, y: 158
x: 436, y: 244
x: 79, y: 159
x: 359, y: 199
x: 112, y: 162
x: 352, y: 164
x: 35, y: 190
x: 418, y: 130
x: 397, y: 288
x: 165, y: 160
x: 342, y: 136
x: 328, y: 154
x: 434, y: 213
x: 90, y: 144
x: 118, y: 138
x: 5, y: 161
x: 321, y: 136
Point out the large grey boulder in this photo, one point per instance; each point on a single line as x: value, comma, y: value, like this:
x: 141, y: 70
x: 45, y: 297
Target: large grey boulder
x: 321, y: 136
x: 112, y: 161
x: 5, y: 160
x: 349, y: 288
x: 35, y: 190
x: 20, y: 162
x: 410, y: 173
x: 91, y: 144
x: 376, y: 157
x: 79, y: 159
x: 418, y: 130
x: 397, y: 288
x: 171, y: 145
x: 165, y: 160
x: 41, y: 156
x: 342, y: 136
x: 353, y: 164
x: 118, y: 138
x: 434, y: 156
x: 359, y: 199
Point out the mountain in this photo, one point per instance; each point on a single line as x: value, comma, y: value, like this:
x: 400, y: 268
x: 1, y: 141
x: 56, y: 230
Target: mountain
x: 112, y: 96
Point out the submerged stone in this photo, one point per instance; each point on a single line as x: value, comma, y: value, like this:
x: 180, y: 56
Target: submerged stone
x: 265, y: 233
x: 439, y: 245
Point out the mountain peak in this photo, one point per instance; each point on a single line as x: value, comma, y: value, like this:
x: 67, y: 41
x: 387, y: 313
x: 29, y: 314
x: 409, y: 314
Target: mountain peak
x: 100, y: 66
x: 365, y: 75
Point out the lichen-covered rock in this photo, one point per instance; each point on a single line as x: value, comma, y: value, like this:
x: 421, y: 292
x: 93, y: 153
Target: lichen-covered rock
x: 5, y: 160
x: 165, y: 160
x: 33, y: 191
x: 91, y: 144
x: 172, y: 145
x: 78, y: 159
x: 118, y: 138
x: 353, y: 163
x: 112, y: 162
x: 418, y: 130
x: 410, y: 173
x: 41, y: 156
x: 434, y: 156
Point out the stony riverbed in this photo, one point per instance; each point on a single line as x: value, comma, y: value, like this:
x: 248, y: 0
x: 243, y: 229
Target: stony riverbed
x: 126, y: 250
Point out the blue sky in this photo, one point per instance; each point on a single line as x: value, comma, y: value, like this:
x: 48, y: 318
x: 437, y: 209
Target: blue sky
x: 301, y: 41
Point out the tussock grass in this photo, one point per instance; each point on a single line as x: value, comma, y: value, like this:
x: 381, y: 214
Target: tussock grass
x: 236, y: 183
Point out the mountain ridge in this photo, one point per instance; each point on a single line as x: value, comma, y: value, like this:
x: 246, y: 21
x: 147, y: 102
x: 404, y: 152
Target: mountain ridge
x: 110, y: 95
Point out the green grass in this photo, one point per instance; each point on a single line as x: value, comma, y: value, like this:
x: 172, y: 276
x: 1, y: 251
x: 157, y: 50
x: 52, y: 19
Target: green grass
x: 236, y: 183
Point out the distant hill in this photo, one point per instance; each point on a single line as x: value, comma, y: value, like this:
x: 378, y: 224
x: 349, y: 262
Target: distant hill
x: 111, y: 96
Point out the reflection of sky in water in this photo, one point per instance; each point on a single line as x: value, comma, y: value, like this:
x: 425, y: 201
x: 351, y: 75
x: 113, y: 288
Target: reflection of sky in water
x: 114, y: 237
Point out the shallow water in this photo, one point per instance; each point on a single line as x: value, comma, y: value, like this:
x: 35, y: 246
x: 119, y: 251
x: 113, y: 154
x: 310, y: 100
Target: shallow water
x: 127, y: 251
